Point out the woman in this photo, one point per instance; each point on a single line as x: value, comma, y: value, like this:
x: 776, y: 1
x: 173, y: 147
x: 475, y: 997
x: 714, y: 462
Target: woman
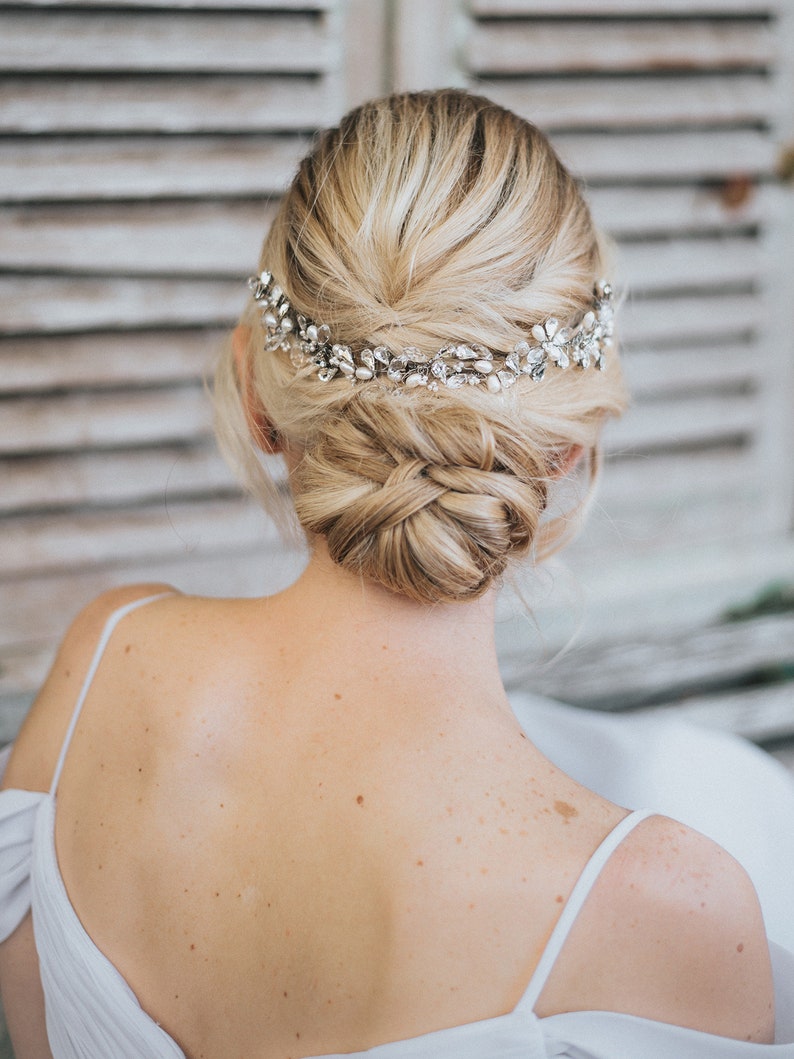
x: 310, y: 824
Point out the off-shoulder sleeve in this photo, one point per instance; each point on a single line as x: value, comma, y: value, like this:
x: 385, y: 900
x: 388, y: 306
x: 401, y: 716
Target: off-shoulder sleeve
x: 17, y: 820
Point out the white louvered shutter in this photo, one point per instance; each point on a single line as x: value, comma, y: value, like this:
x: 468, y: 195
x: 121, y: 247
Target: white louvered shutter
x: 674, y: 113
x: 144, y: 146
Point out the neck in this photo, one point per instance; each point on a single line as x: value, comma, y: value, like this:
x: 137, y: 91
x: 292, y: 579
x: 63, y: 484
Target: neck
x: 446, y: 645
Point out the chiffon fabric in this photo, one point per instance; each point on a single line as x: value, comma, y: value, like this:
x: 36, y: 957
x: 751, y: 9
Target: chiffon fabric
x: 92, y: 1013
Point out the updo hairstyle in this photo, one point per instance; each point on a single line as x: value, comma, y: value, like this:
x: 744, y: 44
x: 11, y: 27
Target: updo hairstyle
x: 425, y: 218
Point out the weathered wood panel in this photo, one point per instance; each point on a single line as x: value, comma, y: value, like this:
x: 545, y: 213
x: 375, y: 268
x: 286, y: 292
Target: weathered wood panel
x: 645, y: 522
x: 41, y: 304
x: 103, y: 420
x: 627, y: 8
x: 30, y: 363
x: 717, y: 369
x: 672, y: 210
x: 664, y: 155
x: 34, y: 545
x: 81, y: 479
x: 254, y: 105
x: 149, y: 42
x: 689, y: 264
x: 534, y: 47
x: 643, y: 670
x: 190, y: 5
x: 186, y: 238
x: 80, y: 169
x: 163, y: 104
x: 620, y: 102
x: 669, y: 321
x: 634, y: 479
x: 679, y: 422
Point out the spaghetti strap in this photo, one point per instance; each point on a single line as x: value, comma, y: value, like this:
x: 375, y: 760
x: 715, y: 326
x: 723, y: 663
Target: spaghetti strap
x: 107, y: 632
x: 573, y: 906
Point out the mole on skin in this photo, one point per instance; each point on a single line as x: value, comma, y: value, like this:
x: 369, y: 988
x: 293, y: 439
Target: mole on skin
x: 565, y: 810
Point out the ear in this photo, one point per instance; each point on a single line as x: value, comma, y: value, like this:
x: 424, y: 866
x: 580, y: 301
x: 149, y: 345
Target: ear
x: 264, y: 434
x: 567, y: 460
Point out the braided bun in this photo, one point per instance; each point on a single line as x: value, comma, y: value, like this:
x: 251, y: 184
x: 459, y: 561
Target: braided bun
x: 429, y: 501
x: 425, y: 218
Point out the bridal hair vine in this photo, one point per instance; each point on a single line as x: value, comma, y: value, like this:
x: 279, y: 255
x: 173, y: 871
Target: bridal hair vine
x: 454, y: 365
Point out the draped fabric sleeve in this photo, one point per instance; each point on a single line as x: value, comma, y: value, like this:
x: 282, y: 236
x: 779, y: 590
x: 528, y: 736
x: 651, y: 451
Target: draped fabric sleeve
x: 17, y: 820
x: 18, y: 811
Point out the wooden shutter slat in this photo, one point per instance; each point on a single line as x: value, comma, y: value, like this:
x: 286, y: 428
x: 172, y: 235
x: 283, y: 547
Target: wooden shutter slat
x: 648, y: 529
x: 710, y: 154
x: 620, y: 102
x: 683, y: 421
x: 185, y: 238
x: 76, y: 304
x: 762, y: 714
x: 655, y: 211
x: 713, y: 653
x: 102, y: 478
x: 718, y: 368
x: 188, y: 5
x: 691, y: 263
x: 628, y: 8
x: 50, y: 104
x: 648, y: 500
x: 78, y: 421
x: 91, y: 169
x: 78, y: 41
x: 43, y: 362
x: 670, y: 321
x: 534, y: 47
x: 635, y: 479
x: 46, y: 543
x: 246, y: 104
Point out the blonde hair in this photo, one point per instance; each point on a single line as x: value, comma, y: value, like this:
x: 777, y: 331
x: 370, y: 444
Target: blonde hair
x: 424, y: 218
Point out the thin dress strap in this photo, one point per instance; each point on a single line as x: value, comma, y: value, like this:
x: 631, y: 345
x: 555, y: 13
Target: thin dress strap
x: 584, y: 884
x: 107, y: 632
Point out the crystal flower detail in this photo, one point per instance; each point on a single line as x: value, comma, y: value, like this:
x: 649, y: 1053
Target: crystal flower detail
x: 456, y: 364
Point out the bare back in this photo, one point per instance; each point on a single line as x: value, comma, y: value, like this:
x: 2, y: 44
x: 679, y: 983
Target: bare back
x: 289, y: 841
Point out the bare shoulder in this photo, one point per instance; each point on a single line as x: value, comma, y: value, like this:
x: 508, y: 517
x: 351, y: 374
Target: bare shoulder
x: 38, y: 743
x: 676, y: 931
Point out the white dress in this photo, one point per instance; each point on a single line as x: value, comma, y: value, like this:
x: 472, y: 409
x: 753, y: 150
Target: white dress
x: 92, y: 1013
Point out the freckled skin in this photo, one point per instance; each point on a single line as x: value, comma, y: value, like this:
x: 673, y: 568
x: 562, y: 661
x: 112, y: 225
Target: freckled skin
x: 240, y: 874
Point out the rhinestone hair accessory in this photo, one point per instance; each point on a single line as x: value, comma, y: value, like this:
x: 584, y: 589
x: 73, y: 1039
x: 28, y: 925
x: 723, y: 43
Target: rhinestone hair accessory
x: 455, y: 364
